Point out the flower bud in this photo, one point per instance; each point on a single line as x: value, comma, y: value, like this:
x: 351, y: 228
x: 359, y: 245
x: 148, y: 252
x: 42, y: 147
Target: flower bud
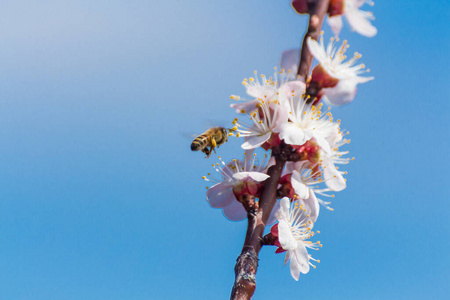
x: 300, y: 6
x: 336, y: 7
x: 245, y: 187
x: 321, y: 77
x: 286, y: 189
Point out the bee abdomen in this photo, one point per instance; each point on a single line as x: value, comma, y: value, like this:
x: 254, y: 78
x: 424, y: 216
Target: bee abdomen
x: 199, y: 143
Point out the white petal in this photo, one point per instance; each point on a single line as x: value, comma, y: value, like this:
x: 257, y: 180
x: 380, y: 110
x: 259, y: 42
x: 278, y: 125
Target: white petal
x: 281, y: 111
x: 312, y: 206
x: 244, y: 107
x: 273, y: 214
x: 285, y: 237
x: 316, y: 50
x: 359, y: 22
x: 344, y: 92
x: 256, y: 176
x: 291, y: 134
x: 289, y: 60
x: 255, y: 141
x: 300, y: 188
x: 299, y: 260
x: 285, y: 204
x: 235, y: 211
x: 261, y: 91
x: 335, y: 23
x: 220, y: 195
x: 333, y: 177
x: 323, y: 143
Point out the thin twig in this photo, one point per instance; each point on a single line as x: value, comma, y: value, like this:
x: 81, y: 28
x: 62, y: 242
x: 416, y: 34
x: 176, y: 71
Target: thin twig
x: 317, y: 12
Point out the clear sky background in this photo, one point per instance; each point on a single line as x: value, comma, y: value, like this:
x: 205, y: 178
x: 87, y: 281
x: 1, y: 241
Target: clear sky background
x: 101, y: 197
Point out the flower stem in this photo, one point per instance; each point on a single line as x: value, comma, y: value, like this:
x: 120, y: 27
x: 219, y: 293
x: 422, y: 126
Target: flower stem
x: 317, y: 11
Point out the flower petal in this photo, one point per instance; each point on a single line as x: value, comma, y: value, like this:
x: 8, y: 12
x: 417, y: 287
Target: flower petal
x: 299, y: 261
x: 220, y: 195
x: 256, y: 176
x: 244, y: 107
x: 289, y: 60
x: 287, y: 240
x: 273, y: 214
x: 359, y: 22
x: 300, y: 188
x: 235, y: 211
x: 312, y: 206
x: 316, y: 50
x: 285, y: 204
x: 261, y: 91
x: 255, y: 141
x: 335, y: 24
x: 291, y: 134
x: 333, y: 178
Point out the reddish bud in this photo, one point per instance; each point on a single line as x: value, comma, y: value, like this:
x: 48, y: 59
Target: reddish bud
x: 274, y: 230
x: 321, y: 77
x: 300, y: 6
x: 274, y: 140
x: 245, y: 187
x: 336, y: 7
x: 286, y: 189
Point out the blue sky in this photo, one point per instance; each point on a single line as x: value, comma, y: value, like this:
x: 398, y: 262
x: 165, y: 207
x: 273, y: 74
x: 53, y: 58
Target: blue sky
x: 101, y: 197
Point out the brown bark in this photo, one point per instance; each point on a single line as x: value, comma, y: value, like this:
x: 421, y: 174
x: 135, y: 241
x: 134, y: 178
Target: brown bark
x: 317, y: 11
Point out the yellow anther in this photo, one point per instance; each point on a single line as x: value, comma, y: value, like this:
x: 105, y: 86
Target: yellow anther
x: 203, y: 177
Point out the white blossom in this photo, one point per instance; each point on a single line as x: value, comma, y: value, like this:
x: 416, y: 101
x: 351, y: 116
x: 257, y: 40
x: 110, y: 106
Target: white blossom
x: 294, y: 230
x: 359, y: 20
x: 221, y: 195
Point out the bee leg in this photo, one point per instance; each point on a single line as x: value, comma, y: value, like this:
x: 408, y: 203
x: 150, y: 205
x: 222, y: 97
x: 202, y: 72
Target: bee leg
x: 207, y: 151
x: 213, y: 144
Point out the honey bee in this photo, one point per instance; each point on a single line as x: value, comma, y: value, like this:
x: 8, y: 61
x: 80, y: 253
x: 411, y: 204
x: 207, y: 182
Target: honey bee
x: 210, y: 139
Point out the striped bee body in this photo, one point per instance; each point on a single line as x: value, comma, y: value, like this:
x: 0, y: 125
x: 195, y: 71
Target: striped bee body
x: 209, y: 140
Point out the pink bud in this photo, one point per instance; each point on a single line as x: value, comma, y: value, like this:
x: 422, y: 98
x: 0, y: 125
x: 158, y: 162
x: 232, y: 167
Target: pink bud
x: 321, y: 77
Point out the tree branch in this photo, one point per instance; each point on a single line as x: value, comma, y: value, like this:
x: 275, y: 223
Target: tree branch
x: 317, y: 11
x: 247, y: 262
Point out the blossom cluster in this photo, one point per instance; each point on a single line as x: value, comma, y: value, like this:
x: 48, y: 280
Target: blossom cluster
x: 283, y: 111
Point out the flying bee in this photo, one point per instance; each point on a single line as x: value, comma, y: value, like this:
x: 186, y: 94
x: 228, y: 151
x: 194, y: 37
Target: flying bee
x: 210, y: 139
